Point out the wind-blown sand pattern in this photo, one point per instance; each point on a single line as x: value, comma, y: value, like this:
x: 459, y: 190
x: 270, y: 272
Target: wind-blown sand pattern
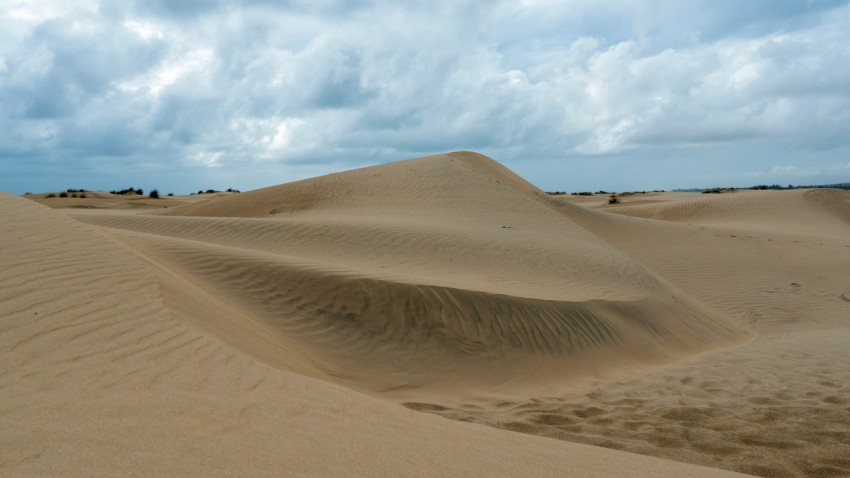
x: 446, y: 271
x: 279, y: 330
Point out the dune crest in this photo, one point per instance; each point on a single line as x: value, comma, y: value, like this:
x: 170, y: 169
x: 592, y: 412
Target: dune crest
x: 443, y: 272
x: 102, y: 376
x: 813, y: 211
x: 186, y: 335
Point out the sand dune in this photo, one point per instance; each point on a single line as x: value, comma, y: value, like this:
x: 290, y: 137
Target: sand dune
x: 813, y: 211
x: 777, y: 406
x: 443, y: 272
x: 278, y: 330
x: 103, y: 374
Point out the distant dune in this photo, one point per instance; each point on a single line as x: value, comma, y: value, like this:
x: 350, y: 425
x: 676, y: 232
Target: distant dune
x: 821, y: 211
x: 278, y: 330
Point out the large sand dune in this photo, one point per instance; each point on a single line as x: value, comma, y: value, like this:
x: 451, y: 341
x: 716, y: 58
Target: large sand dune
x: 445, y: 271
x: 277, y: 330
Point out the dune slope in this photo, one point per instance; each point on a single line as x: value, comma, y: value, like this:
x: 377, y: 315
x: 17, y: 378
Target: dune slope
x: 812, y: 212
x: 212, y: 338
x: 440, y: 273
x: 103, y: 373
x: 776, y: 263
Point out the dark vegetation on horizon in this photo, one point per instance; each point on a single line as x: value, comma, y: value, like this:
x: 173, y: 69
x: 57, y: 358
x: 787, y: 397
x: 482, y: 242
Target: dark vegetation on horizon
x: 211, y: 191
x: 588, y: 193
x: 845, y: 186
x: 72, y: 193
x: 129, y: 190
x: 764, y: 187
x: 154, y: 194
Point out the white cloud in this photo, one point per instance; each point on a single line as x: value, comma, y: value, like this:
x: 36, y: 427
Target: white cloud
x: 285, y: 134
x: 195, y: 61
x: 840, y: 170
x: 145, y: 30
x: 325, y: 83
x: 209, y: 159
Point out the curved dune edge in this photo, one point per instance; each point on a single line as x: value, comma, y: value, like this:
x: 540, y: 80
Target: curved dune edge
x: 832, y: 201
x: 98, y: 377
x: 812, y: 211
x: 523, y: 299
x: 384, y: 335
x: 434, y: 183
x: 169, y: 389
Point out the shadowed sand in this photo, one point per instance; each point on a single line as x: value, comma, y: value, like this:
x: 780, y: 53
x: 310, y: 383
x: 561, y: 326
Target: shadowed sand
x: 278, y: 329
x: 445, y: 272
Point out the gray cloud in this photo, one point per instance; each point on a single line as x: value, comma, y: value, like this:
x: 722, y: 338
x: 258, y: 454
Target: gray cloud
x: 189, y: 89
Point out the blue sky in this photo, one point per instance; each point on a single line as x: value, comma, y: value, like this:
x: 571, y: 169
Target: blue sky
x: 572, y: 95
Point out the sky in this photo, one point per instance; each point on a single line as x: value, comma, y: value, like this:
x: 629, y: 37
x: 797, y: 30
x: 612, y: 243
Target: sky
x: 573, y: 95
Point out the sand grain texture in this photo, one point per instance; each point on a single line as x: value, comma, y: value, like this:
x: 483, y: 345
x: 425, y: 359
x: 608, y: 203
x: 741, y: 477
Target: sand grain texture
x: 774, y: 262
x: 101, y: 376
x: 443, y: 272
x: 280, y: 329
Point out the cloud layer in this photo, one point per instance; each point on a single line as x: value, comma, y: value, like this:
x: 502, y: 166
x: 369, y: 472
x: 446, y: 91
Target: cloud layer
x: 570, y: 94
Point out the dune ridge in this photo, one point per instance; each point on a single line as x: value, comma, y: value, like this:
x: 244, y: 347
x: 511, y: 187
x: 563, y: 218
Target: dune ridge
x: 236, y: 334
x: 813, y: 210
x: 104, y: 374
x: 789, y: 276
x: 775, y: 406
x: 429, y: 285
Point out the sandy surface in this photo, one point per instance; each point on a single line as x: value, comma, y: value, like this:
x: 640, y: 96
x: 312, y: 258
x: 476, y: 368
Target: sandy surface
x: 305, y: 327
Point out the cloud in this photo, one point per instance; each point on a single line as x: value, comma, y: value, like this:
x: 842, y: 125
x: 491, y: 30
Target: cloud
x: 190, y: 84
x: 835, y: 169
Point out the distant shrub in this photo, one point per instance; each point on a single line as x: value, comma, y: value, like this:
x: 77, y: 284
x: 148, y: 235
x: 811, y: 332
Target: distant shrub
x: 170, y: 194
x: 211, y: 191
x: 614, y: 199
x: 63, y: 194
x: 27, y: 194
x: 73, y: 195
x: 51, y: 195
x: 129, y: 190
x: 765, y: 187
x: 83, y: 195
x: 154, y: 194
x: 556, y: 193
